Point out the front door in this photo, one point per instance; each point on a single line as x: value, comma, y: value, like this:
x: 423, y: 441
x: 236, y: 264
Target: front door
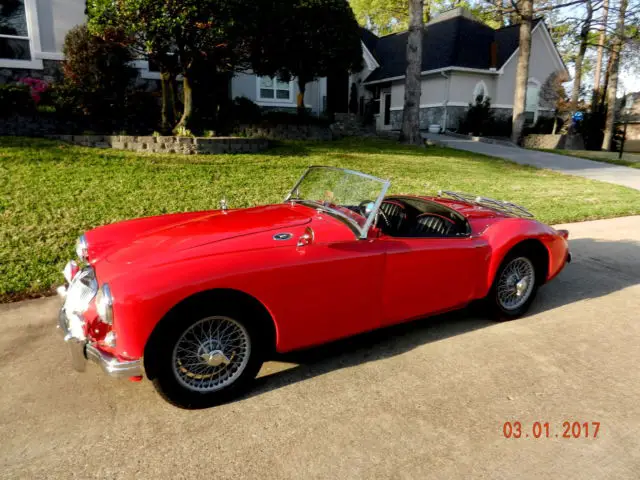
x: 426, y: 276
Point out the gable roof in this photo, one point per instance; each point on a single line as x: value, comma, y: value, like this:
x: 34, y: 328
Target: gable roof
x: 455, y: 42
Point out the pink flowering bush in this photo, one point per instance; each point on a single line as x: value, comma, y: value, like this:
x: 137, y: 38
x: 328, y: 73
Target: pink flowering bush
x: 37, y: 87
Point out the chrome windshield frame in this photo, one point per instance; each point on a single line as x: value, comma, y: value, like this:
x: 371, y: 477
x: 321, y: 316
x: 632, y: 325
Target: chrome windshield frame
x: 363, y: 232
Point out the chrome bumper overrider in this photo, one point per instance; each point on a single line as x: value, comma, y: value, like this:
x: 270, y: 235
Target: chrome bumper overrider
x: 81, y: 351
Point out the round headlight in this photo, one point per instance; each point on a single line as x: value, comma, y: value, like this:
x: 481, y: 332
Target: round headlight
x: 104, y: 304
x: 82, y: 248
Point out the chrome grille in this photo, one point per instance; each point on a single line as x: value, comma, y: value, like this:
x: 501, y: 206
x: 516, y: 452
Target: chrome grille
x: 81, y: 291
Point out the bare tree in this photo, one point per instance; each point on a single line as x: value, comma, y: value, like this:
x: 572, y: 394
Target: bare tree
x: 614, y: 61
x: 584, y: 41
x: 525, y: 8
x: 411, y: 115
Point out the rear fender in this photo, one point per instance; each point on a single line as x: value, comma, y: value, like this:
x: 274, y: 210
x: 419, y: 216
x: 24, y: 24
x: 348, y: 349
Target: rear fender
x: 505, y: 235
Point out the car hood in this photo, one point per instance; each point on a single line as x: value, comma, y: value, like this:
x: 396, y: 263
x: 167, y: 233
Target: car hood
x: 170, y: 237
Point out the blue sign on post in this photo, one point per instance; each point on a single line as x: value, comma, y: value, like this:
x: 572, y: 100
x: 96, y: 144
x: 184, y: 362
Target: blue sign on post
x: 578, y: 116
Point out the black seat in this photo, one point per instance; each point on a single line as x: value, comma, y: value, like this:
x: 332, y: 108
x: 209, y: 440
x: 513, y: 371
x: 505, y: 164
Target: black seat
x: 432, y: 224
x: 392, y: 217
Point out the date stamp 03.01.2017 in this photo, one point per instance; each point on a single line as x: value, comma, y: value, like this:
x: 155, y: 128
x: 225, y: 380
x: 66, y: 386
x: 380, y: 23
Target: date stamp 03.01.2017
x: 549, y: 430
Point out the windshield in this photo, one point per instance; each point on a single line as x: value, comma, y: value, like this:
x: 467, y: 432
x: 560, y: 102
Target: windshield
x: 350, y: 195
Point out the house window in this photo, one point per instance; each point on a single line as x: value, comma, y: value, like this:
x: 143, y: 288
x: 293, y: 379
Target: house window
x: 14, y: 34
x: 532, y: 100
x: 271, y: 88
x: 480, y: 92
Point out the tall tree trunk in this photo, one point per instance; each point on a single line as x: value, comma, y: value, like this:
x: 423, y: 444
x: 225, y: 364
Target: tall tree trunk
x: 187, y: 92
x: 167, y: 80
x: 522, y: 70
x: 584, y: 38
x: 612, y: 88
x: 600, y: 54
x: 605, y: 86
x: 411, y: 115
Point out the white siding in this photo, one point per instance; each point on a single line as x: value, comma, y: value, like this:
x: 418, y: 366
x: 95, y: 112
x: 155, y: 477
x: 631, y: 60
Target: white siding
x: 55, y: 19
x: 463, y: 85
x: 434, y: 90
x: 246, y: 85
x: 397, y: 95
x: 543, y: 63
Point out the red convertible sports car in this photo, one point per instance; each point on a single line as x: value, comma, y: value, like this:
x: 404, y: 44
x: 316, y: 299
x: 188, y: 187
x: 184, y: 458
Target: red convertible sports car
x: 197, y: 301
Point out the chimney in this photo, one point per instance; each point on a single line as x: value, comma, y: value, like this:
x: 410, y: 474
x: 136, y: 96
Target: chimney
x: 493, y: 56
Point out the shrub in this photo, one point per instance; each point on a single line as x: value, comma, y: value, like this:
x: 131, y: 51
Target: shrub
x: 97, y: 75
x: 243, y: 110
x: 36, y: 86
x: 141, y: 112
x: 478, y: 118
x: 500, y: 127
x: 16, y: 99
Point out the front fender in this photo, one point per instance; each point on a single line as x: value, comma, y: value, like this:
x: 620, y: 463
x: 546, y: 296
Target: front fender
x: 143, y: 298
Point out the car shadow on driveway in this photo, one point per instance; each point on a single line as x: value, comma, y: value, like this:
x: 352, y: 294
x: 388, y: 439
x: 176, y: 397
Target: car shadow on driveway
x: 368, y: 347
x: 598, y: 269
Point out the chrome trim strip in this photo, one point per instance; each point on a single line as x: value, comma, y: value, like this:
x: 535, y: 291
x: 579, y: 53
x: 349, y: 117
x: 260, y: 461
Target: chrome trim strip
x: 81, y: 352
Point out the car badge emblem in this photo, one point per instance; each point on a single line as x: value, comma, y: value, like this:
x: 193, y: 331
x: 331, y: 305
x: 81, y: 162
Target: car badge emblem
x: 282, y: 236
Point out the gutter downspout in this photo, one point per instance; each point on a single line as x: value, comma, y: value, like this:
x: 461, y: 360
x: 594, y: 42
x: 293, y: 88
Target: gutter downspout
x: 446, y: 101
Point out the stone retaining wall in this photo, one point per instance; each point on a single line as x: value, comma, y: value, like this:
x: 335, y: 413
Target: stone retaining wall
x: 550, y: 142
x: 157, y: 144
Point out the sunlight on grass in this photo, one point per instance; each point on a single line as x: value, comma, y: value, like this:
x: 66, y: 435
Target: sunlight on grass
x: 51, y: 192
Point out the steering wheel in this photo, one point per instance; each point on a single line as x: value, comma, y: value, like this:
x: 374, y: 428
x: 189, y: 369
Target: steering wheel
x: 366, y: 208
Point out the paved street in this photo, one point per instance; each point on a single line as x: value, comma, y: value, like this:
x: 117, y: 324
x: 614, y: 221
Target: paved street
x: 424, y: 400
x: 605, y: 172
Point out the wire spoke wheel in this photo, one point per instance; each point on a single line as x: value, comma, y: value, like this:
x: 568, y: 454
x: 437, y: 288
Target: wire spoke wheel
x: 211, y: 354
x: 516, y: 283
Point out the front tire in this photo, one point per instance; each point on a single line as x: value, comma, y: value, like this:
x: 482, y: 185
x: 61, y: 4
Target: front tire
x: 205, y: 359
x: 514, y: 287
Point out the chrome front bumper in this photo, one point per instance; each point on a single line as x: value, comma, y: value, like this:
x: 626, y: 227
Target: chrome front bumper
x: 81, y: 351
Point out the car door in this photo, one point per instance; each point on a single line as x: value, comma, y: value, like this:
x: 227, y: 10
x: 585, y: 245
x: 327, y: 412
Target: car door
x: 323, y: 291
x: 425, y: 276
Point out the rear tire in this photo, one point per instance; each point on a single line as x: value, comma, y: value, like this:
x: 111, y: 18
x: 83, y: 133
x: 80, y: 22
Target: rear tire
x: 206, y: 356
x: 515, y: 285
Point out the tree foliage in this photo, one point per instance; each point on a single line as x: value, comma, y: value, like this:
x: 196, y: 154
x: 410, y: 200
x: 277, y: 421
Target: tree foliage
x: 180, y: 35
x: 388, y: 16
x: 97, y: 74
x: 305, y: 40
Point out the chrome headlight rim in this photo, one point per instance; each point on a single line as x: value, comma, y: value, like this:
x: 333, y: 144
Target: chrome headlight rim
x: 104, y: 304
x: 82, y: 248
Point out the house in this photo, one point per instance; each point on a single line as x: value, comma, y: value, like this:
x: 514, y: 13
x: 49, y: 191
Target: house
x: 629, y: 114
x: 462, y: 59
x: 32, y: 34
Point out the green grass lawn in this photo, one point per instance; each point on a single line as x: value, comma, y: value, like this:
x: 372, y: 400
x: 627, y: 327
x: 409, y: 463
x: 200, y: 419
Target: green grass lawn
x: 51, y: 192
x: 628, y: 159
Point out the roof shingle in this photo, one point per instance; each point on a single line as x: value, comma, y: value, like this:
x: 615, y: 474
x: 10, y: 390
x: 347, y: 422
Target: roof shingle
x: 455, y: 42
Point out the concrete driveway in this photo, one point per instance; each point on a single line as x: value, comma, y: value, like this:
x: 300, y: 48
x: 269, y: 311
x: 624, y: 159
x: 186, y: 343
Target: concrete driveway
x: 424, y: 400
x: 605, y: 172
